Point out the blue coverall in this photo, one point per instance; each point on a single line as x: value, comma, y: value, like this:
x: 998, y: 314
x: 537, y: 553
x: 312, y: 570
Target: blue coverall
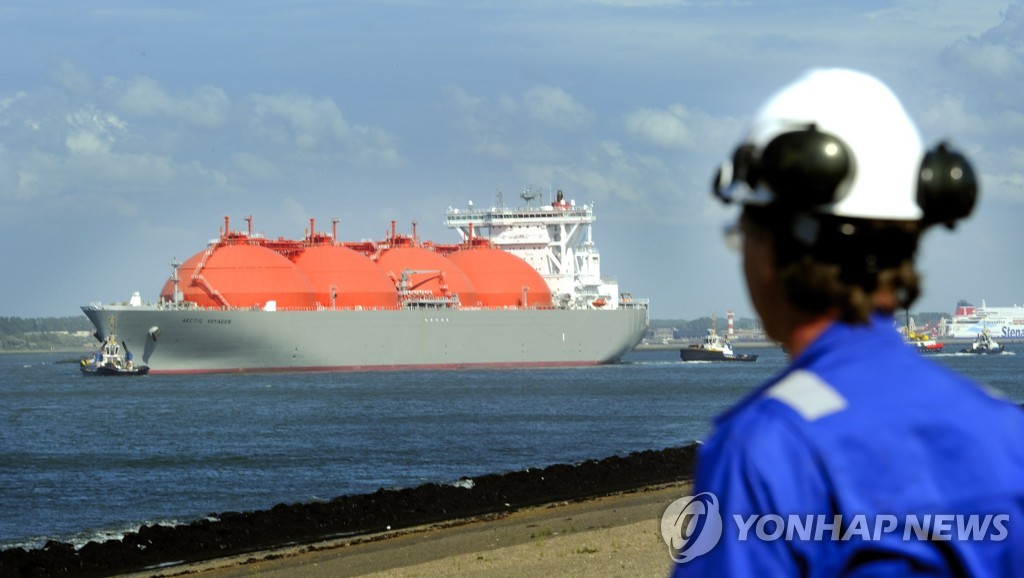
x: 861, y: 425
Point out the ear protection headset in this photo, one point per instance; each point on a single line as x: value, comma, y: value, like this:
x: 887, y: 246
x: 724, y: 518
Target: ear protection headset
x: 808, y: 169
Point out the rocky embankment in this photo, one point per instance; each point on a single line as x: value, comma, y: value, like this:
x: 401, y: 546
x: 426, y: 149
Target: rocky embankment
x: 233, y: 533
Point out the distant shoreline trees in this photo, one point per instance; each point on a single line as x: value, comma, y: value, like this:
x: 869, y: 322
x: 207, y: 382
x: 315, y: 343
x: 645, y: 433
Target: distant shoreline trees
x: 45, y: 333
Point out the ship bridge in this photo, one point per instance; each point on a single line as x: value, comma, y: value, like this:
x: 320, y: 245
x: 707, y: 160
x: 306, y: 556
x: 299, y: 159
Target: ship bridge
x: 556, y: 240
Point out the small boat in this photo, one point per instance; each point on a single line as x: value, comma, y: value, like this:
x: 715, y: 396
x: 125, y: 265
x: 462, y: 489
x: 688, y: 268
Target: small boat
x: 112, y: 359
x: 983, y: 344
x: 920, y: 341
x: 713, y: 347
x: 924, y: 343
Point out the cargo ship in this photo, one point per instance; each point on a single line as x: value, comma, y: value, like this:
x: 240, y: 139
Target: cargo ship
x: 523, y: 288
x: 970, y: 321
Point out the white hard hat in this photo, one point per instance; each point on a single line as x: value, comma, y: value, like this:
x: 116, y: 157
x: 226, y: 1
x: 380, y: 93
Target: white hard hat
x: 835, y: 142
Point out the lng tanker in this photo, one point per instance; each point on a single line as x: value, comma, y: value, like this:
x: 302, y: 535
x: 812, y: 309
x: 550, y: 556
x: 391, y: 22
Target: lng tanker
x: 522, y: 288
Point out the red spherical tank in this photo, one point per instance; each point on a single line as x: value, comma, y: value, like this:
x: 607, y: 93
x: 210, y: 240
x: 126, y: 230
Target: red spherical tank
x: 429, y: 272
x: 356, y: 280
x: 501, y: 278
x: 243, y: 276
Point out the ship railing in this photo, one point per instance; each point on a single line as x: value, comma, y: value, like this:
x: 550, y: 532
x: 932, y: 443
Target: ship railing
x: 507, y: 218
x: 427, y: 304
x: 465, y: 215
x: 182, y: 305
x: 421, y: 303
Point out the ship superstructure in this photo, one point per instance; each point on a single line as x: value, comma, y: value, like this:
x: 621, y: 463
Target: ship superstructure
x: 556, y: 240
x: 526, y: 292
x: 970, y: 321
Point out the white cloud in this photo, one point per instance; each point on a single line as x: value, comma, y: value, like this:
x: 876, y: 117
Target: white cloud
x: 680, y: 127
x: 545, y: 105
x: 993, y: 63
x: 317, y: 126
x: 7, y: 102
x: 308, y: 123
x: 630, y: 103
x: 91, y: 164
x: 463, y: 100
x: 207, y: 106
x: 950, y: 112
x: 92, y: 131
x: 640, y: 3
x: 27, y: 182
x: 7, y: 115
x: 73, y: 78
x: 86, y: 143
x: 1004, y: 186
x: 524, y: 129
x: 255, y: 165
x: 494, y: 149
x: 662, y: 128
x: 552, y: 105
x: 606, y: 171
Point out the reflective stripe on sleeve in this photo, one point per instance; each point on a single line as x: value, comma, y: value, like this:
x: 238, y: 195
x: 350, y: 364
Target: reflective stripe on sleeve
x: 808, y: 395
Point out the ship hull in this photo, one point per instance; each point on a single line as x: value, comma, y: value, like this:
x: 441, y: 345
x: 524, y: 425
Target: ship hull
x: 981, y: 351
x: 1000, y: 329
x: 210, y: 340
x: 690, y: 354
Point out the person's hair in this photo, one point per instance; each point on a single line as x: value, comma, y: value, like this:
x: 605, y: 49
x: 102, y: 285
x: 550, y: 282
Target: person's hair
x: 845, y: 264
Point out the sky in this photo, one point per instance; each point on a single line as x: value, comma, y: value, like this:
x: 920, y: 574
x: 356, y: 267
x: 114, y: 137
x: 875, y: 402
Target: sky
x: 128, y: 133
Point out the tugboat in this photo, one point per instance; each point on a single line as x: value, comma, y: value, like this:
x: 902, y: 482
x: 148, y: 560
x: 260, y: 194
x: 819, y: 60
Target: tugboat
x: 920, y: 341
x: 983, y: 344
x: 713, y: 348
x: 112, y: 359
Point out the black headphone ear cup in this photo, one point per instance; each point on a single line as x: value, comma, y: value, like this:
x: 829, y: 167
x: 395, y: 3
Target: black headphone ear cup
x: 946, y: 188
x: 806, y: 168
x: 745, y: 165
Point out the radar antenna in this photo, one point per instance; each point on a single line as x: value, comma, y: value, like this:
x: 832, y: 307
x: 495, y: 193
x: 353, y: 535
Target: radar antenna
x: 529, y: 194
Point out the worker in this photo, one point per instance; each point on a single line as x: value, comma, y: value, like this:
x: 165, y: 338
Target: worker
x: 861, y: 457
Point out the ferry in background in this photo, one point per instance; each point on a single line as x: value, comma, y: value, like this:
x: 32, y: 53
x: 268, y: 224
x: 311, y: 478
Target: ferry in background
x: 970, y: 321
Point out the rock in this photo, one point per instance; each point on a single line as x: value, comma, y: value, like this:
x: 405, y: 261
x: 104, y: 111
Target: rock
x: 232, y: 533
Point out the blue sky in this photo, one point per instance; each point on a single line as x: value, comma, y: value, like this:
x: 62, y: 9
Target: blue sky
x: 128, y: 133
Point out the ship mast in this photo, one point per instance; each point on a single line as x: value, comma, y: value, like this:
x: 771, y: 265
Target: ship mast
x: 177, y: 296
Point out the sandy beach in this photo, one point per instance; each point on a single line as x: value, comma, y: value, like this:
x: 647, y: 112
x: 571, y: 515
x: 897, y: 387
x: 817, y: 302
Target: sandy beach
x: 616, y: 535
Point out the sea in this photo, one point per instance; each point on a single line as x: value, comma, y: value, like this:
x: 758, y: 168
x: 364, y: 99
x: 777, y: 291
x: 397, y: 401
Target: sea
x: 89, y: 459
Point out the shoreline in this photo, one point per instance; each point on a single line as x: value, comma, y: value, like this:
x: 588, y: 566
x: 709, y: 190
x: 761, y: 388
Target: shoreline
x: 674, y: 344
x: 616, y: 534
x: 62, y: 350
x: 740, y: 344
x: 161, y: 548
